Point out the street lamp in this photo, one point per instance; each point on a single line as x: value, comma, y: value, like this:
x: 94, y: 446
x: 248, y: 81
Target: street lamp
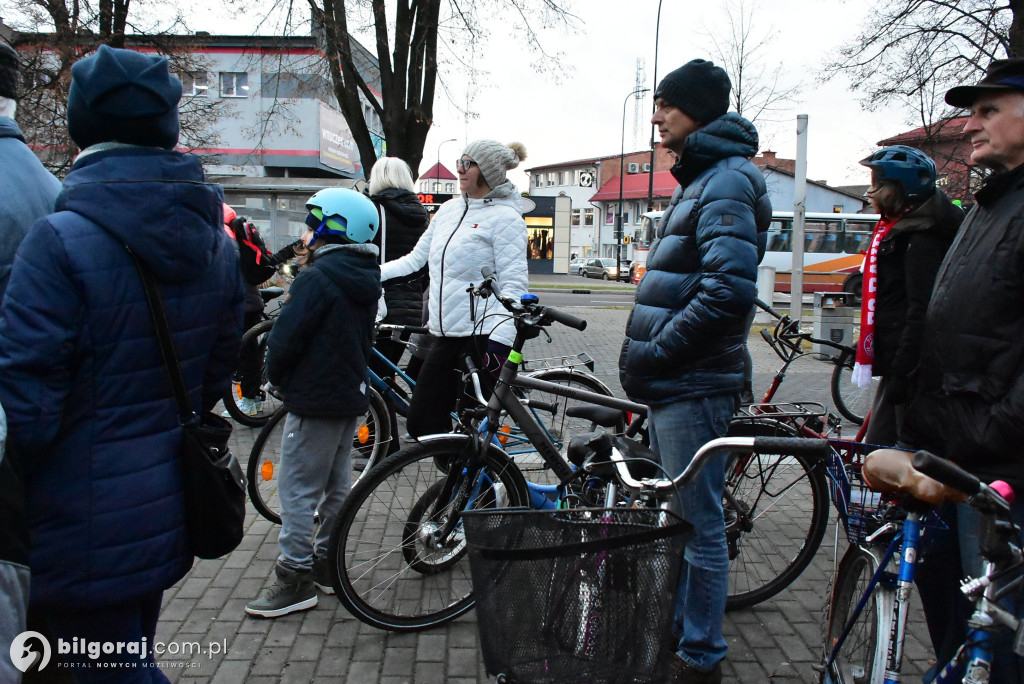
x: 622, y: 177
x: 437, y: 169
x: 650, y: 178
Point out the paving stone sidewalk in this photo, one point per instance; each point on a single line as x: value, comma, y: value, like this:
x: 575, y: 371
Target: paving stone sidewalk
x: 776, y: 642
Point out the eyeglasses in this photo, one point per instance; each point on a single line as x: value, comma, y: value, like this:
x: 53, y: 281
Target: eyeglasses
x: 464, y: 164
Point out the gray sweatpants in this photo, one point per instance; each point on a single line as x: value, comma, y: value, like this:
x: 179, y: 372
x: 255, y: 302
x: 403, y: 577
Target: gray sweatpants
x: 316, y: 471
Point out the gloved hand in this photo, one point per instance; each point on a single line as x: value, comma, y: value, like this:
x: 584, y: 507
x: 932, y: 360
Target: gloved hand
x: 382, y: 308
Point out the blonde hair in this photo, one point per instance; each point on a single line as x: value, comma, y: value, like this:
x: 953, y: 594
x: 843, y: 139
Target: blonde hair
x: 390, y: 172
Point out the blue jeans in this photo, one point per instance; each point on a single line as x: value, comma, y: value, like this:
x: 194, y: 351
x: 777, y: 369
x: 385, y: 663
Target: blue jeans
x: 316, y: 474
x: 677, y: 430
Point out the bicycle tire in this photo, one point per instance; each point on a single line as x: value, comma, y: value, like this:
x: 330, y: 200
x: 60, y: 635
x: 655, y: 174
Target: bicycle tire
x: 369, y: 540
x: 861, y: 658
x: 369, y: 445
x: 787, y: 501
x: 258, y: 335
x: 852, y: 402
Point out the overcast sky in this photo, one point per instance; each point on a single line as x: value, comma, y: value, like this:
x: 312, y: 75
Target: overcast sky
x: 579, y: 115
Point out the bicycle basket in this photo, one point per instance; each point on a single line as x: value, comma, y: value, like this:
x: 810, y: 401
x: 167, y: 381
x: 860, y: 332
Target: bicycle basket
x: 860, y: 508
x: 575, y: 595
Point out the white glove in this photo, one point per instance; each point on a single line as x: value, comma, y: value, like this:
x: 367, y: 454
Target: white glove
x: 861, y: 376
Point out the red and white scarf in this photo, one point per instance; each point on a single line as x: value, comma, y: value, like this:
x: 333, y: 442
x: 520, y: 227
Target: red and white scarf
x: 869, y: 291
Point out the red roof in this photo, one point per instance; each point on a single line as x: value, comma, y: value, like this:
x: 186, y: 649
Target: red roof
x: 437, y: 171
x: 636, y: 186
x: 947, y: 129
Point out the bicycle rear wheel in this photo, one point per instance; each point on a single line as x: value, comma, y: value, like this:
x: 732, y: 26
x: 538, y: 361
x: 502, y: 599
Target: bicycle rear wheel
x: 388, y: 569
x: 861, y: 658
x: 851, y: 401
x: 369, y: 445
x: 256, y: 335
x: 777, y: 518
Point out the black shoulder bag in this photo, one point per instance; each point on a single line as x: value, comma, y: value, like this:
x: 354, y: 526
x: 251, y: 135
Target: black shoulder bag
x: 211, y: 476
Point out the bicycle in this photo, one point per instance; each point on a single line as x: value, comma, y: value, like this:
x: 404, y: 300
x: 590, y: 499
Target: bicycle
x: 256, y: 336
x: 854, y: 403
x: 397, y: 547
x: 870, y: 599
x: 376, y: 432
x: 557, y: 590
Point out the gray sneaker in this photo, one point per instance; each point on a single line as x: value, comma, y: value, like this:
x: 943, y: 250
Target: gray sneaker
x: 322, y: 576
x: 291, y: 592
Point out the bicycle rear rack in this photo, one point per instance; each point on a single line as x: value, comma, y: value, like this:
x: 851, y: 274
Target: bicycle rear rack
x: 781, y: 410
x: 567, y: 361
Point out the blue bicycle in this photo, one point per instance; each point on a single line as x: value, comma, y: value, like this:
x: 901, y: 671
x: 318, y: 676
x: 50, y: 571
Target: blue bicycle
x: 871, y: 596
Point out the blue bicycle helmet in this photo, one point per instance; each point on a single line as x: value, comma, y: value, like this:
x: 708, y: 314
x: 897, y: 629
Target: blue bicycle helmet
x: 908, y: 166
x: 343, y: 213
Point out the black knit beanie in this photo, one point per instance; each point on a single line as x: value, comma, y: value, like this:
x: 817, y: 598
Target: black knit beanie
x: 699, y: 88
x: 9, y: 70
x: 123, y: 96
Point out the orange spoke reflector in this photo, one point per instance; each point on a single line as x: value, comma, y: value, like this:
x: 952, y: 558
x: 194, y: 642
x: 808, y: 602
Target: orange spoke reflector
x: 238, y: 390
x: 267, y: 471
x: 503, y: 438
x: 364, y: 433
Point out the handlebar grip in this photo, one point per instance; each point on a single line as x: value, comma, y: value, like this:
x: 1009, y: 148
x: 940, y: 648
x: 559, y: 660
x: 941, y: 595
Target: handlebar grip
x: 946, y: 472
x: 548, y: 406
x: 566, y: 319
x: 793, y: 446
x: 767, y: 307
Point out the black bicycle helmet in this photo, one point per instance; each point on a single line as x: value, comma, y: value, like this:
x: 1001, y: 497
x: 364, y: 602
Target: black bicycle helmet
x: 908, y: 166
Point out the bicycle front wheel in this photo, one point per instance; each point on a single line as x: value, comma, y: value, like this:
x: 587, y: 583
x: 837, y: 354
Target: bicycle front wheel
x: 560, y: 426
x: 390, y: 569
x: 851, y: 401
x: 776, y: 514
x: 257, y: 337
x: 369, y: 446
x: 861, y: 657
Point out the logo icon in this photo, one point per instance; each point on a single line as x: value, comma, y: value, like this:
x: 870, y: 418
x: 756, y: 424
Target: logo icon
x: 30, y: 651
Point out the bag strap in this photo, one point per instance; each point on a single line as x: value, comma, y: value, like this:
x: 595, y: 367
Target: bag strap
x: 163, y: 334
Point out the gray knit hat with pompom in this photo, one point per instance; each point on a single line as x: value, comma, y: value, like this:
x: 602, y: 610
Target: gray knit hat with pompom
x: 495, y: 159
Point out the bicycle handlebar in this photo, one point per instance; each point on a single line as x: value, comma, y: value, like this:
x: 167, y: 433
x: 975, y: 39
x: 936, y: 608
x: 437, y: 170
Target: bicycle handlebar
x: 542, y: 315
x: 951, y: 475
x: 790, y: 446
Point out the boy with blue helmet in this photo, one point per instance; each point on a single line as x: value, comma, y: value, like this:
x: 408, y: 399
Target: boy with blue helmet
x: 317, y: 356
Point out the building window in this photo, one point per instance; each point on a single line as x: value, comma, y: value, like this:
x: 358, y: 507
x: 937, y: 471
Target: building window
x: 575, y: 217
x: 449, y: 187
x: 195, y: 83
x: 588, y: 217
x: 233, y: 84
x: 609, y: 215
x: 551, y: 178
x: 563, y: 177
x: 538, y: 180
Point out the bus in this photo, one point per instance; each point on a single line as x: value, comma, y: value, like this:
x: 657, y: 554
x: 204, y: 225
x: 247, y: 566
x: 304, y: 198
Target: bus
x: 834, y: 247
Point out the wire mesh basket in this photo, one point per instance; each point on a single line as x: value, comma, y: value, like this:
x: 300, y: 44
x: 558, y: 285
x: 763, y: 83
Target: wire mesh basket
x: 575, y: 595
x: 860, y: 508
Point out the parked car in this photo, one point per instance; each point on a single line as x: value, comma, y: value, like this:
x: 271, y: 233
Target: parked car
x: 605, y: 269
x: 576, y: 266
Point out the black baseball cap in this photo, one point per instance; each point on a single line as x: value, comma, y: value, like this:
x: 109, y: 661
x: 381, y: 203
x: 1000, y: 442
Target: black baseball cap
x: 1002, y: 74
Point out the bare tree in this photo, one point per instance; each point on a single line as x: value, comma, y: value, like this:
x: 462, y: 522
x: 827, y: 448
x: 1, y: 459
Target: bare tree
x: 910, y: 46
x: 406, y: 38
x: 51, y: 35
x: 757, y: 91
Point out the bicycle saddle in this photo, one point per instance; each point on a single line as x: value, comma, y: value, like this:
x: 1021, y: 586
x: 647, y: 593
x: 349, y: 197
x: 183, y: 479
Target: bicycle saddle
x: 593, y: 450
x: 598, y: 415
x: 890, y: 471
x: 268, y: 293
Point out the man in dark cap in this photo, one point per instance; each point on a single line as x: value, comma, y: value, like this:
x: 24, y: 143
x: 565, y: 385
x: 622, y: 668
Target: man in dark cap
x: 92, y: 419
x: 28, y: 191
x: 967, y: 400
x: 683, y: 353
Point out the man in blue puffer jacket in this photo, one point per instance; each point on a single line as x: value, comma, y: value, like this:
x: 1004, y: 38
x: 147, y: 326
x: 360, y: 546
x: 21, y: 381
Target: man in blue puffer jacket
x: 683, y: 353
x: 92, y: 418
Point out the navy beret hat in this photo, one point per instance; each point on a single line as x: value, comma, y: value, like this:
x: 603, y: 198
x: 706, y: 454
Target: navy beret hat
x: 123, y: 96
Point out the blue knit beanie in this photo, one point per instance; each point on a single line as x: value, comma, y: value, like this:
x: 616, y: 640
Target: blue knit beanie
x: 699, y: 88
x: 123, y: 96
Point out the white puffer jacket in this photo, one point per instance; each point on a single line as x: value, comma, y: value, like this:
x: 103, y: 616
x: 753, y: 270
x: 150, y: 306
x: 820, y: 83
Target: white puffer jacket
x: 466, y: 236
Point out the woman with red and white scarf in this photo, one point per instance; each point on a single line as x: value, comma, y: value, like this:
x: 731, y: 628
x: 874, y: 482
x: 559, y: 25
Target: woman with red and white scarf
x: 918, y: 223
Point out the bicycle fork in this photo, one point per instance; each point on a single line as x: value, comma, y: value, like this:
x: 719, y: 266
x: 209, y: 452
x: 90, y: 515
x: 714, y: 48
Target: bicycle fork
x: 901, y: 604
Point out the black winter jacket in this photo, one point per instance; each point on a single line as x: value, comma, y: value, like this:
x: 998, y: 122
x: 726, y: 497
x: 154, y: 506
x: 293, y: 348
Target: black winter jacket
x: 405, y: 220
x: 908, y: 259
x: 318, y: 348
x: 685, y: 335
x: 968, y: 398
